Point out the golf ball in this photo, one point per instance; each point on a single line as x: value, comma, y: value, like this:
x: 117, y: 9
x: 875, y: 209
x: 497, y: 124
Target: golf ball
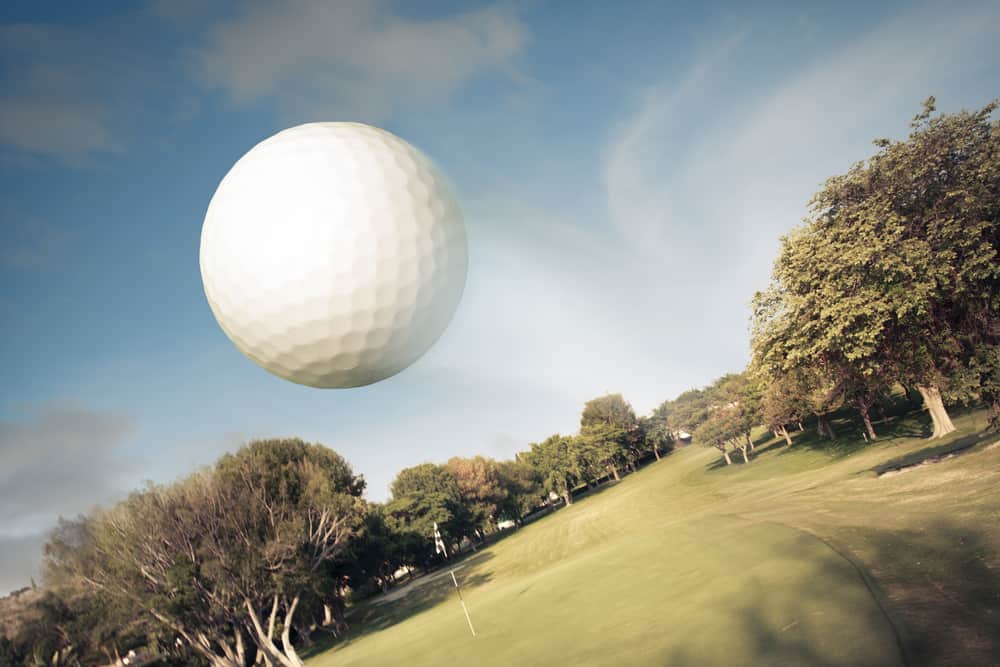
x: 333, y: 254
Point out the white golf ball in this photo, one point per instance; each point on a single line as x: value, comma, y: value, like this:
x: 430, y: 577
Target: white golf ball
x: 333, y: 254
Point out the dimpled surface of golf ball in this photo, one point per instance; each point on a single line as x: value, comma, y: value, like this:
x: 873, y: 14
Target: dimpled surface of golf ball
x: 333, y: 254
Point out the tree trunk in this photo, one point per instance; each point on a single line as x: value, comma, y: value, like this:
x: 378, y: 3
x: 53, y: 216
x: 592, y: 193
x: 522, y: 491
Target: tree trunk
x: 784, y: 433
x: 939, y: 415
x: 729, y: 461
x: 568, y: 497
x: 825, y: 428
x: 750, y: 442
x: 265, y: 643
x: 286, y: 642
x: 909, y: 395
x: 994, y: 415
x: 656, y: 450
x: 614, y: 471
x: 743, y: 451
x: 863, y: 411
x: 801, y: 427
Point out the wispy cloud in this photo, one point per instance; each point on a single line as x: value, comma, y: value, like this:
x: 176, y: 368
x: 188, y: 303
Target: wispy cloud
x: 60, y: 460
x: 19, y: 559
x: 28, y: 243
x: 652, y: 145
x: 63, y: 90
x: 708, y: 186
x: 353, y: 57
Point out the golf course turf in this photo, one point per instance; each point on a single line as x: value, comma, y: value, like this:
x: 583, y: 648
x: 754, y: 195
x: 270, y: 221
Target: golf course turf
x: 806, y: 556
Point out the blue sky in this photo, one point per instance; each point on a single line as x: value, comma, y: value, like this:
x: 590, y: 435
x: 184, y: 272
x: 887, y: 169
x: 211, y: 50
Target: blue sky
x: 625, y: 171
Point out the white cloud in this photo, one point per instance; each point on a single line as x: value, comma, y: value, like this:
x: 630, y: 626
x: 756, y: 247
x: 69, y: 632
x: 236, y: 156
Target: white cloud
x: 353, y: 57
x: 649, y: 146
x: 709, y: 188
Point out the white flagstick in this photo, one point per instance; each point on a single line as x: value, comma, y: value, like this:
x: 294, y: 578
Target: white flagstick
x: 464, y: 608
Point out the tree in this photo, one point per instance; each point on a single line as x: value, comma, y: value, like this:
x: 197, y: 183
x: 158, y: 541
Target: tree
x: 228, y: 554
x: 896, y: 274
x: 713, y: 432
x: 375, y: 552
x: 688, y: 411
x: 608, y: 428
x: 740, y: 395
x: 656, y: 433
x: 558, y: 464
x: 523, y: 486
x: 426, y: 494
x: 480, y: 489
x: 782, y: 404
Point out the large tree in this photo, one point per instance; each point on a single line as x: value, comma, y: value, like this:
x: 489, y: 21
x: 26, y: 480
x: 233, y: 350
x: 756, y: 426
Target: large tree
x: 426, y: 494
x: 229, y: 555
x: 609, y: 431
x: 723, y: 428
x: 523, y: 486
x: 687, y: 411
x: 558, y: 464
x: 896, y: 275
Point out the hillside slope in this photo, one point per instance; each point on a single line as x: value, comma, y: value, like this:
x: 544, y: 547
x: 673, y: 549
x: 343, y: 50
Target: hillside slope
x: 803, y: 557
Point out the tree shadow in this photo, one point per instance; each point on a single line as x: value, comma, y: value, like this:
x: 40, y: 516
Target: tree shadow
x: 849, y: 432
x: 932, y: 453
x: 832, y: 619
x: 426, y: 592
x: 943, y: 582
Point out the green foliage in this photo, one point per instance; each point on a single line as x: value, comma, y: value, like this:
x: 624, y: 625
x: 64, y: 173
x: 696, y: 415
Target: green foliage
x: 481, y: 490
x: 686, y: 412
x: 203, y: 556
x: 896, y: 275
x: 423, y: 495
x: 524, y: 489
x: 557, y: 461
x: 609, y: 434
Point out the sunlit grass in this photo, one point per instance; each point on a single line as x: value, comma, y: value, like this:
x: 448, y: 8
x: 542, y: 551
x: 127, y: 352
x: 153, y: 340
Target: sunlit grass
x: 805, y: 556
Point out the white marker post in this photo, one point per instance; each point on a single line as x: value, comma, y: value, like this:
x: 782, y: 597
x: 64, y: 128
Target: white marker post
x: 462, y: 600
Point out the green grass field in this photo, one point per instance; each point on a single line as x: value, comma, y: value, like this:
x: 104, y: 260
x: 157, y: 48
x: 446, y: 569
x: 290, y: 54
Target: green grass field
x: 804, y: 557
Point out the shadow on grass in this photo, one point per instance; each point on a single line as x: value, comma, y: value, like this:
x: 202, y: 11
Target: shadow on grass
x: 943, y: 583
x: 933, y: 453
x: 900, y: 422
x: 835, y: 619
x: 425, y: 592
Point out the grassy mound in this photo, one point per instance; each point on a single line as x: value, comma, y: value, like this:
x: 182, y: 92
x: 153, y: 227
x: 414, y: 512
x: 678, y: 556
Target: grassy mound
x: 803, y: 557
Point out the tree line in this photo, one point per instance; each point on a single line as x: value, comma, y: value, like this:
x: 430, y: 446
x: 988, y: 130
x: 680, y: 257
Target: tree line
x: 893, y: 280
x: 244, y: 562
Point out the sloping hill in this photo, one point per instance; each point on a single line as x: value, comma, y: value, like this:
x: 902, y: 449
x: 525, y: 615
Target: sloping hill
x: 804, y: 557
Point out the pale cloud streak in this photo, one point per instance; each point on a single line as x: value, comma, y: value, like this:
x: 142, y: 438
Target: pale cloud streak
x: 352, y: 58
x: 63, y: 91
x: 649, y: 145
x: 29, y: 243
x: 654, y: 298
x: 709, y: 200
x: 60, y: 460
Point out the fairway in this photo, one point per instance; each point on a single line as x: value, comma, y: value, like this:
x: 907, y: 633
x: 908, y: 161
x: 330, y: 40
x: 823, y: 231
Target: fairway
x: 789, y: 560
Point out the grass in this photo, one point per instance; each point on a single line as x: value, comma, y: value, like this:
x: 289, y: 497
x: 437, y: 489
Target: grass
x: 804, y: 557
